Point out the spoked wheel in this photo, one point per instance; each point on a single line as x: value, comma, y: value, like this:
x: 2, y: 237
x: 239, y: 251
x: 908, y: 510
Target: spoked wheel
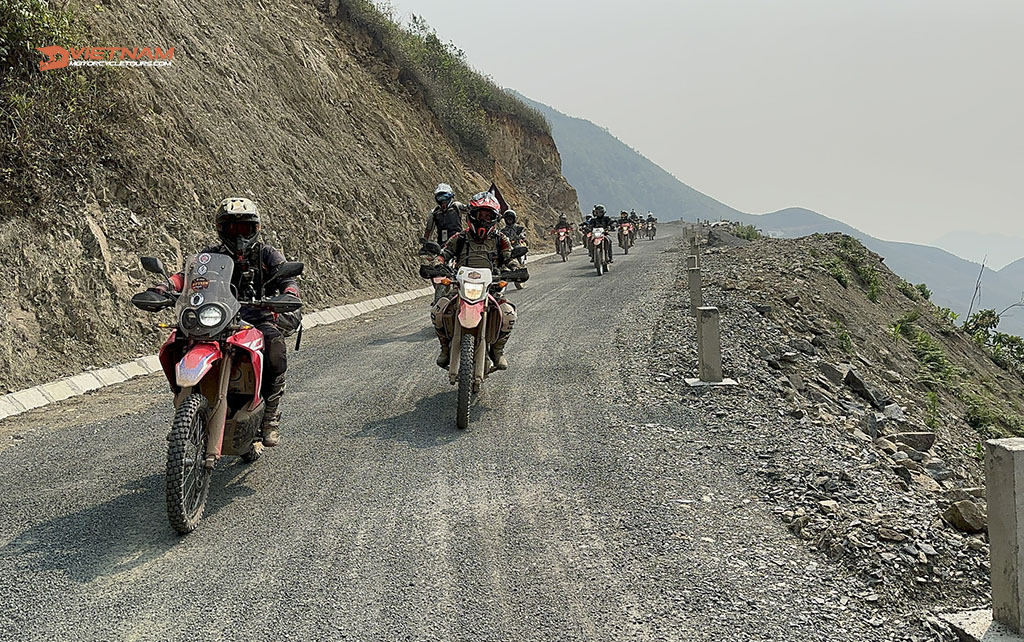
x: 188, y: 480
x: 466, y: 366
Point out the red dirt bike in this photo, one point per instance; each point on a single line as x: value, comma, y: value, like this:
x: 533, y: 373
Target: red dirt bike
x: 563, y: 243
x: 475, y: 325
x: 214, y: 363
x: 600, y: 249
x: 626, y: 236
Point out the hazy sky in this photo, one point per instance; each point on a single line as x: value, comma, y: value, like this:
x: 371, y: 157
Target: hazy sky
x: 904, y: 118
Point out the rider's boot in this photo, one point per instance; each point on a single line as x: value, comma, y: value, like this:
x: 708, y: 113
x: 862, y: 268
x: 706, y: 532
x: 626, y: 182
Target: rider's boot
x: 498, y: 352
x: 445, y: 358
x: 272, y: 414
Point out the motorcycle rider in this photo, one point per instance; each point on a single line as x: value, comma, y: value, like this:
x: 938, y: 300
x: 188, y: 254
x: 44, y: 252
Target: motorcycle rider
x: 238, y: 227
x: 517, y: 236
x: 516, y: 233
x: 446, y: 217
x: 635, y: 220
x: 601, y: 219
x: 564, y: 224
x: 480, y: 245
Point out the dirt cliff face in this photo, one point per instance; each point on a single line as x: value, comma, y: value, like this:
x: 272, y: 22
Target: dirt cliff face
x: 282, y: 103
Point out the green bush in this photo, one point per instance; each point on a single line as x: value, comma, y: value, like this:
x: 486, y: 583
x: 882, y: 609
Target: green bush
x: 947, y: 315
x: 837, y: 271
x: 923, y: 290
x: 25, y: 25
x: 748, y: 232
x: 845, y: 342
x: 982, y: 321
x: 460, y: 97
x: 939, y: 370
x: 908, y: 290
x: 851, y: 251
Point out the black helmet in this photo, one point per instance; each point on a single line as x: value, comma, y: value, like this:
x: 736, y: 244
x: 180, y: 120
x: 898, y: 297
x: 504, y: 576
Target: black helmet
x: 599, y: 209
x: 238, y: 224
x: 510, y: 217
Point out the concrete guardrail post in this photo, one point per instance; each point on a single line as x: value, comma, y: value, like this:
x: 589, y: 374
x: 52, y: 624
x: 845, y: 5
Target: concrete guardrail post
x: 691, y: 262
x: 1004, y: 491
x: 696, y: 294
x: 709, y: 350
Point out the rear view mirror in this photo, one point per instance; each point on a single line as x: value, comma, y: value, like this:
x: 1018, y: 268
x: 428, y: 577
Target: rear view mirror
x: 154, y: 265
x: 432, y: 247
x: 519, y: 252
x: 287, y: 270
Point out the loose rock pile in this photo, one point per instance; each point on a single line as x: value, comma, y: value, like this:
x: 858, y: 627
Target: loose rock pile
x: 839, y: 431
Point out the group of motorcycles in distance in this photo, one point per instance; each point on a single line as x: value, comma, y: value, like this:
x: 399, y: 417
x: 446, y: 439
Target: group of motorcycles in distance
x: 597, y: 239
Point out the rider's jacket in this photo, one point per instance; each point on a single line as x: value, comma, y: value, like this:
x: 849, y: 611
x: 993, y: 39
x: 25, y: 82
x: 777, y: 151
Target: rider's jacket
x: 493, y: 252
x: 447, y: 221
x: 516, y: 233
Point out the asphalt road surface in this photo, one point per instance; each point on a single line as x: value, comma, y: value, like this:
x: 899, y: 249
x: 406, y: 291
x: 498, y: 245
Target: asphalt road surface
x: 563, y: 513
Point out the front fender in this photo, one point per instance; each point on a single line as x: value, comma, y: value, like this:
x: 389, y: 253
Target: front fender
x: 470, y: 314
x: 197, y: 362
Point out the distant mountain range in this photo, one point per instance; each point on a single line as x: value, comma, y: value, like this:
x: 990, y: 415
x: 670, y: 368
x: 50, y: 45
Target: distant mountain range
x: 999, y: 249
x: 605, y: 170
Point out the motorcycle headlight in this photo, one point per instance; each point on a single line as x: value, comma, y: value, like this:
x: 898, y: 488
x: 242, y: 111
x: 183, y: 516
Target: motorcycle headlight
x: 473, y: 290
x: 210, y: 316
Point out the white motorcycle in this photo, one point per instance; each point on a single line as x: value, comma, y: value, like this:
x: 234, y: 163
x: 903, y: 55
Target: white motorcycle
x: 477, y: 321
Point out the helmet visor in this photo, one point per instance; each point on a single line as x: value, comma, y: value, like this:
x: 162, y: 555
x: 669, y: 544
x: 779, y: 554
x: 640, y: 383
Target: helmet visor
x: 239, y: 229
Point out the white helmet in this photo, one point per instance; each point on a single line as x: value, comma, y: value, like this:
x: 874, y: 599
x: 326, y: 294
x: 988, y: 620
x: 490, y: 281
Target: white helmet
x: 443, y: 188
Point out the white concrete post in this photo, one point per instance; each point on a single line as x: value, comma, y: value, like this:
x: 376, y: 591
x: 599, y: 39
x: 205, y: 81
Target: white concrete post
x: 696, y: 294
x: 695, y: 248
x: 709, y: 345
x: 691, y: 262
x: 1004, y: 491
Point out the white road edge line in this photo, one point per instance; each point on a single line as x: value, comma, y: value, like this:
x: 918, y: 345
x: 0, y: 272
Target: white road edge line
x: 16, y: 403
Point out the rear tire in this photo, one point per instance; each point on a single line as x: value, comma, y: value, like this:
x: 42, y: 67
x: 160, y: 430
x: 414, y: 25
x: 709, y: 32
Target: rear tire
x: 466, y: 362
x: 188, y: 480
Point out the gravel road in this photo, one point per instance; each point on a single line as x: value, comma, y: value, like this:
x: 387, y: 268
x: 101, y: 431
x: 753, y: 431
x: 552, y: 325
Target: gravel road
x: 574, y: 508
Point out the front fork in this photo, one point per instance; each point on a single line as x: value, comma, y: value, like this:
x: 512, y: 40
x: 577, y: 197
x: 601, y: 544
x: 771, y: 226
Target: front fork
x: 216, y: 418
x: 479, y: 352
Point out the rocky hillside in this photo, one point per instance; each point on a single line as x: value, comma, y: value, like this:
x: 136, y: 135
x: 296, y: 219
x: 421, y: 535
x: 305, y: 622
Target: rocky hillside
x: 298, y: 106
x: 861, y: 410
